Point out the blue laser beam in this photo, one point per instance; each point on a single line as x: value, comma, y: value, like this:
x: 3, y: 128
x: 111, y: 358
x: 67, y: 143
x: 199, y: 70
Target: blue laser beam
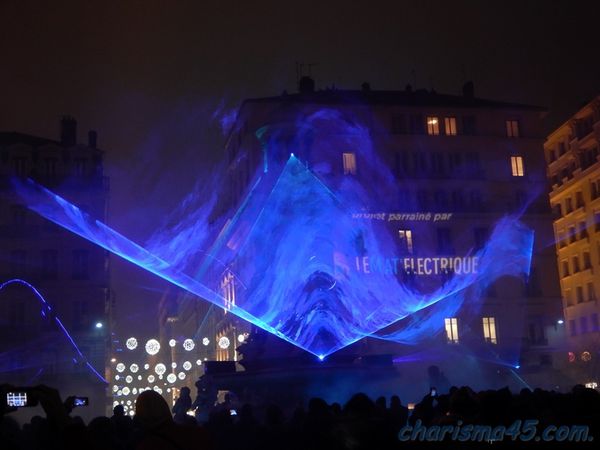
x: 47, y: 309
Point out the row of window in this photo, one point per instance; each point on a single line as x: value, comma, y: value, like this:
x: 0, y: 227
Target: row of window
x: 48, y: 269
x: 444, y: 239
x: 585, y: 325
x: 580, y: 295
x: 436, y: 164
x: 48, y: 166
x: 577, y: 264
x: 585, y: 159
x: 488, y: 324
x: 448, y: 126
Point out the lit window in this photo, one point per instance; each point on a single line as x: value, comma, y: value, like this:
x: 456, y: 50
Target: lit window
x: 450, y: 126
x: 489, y: 330
x: 516, y: 163
x: 433, y: 126
x: 349, y: 160
x: 512, y: 128
x: 406, y: 242
x: 452, y: 329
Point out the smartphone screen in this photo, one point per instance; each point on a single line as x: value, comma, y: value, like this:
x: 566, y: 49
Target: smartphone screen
x: 17, y: 399
x: 232, y: 412
x: 80, y: 401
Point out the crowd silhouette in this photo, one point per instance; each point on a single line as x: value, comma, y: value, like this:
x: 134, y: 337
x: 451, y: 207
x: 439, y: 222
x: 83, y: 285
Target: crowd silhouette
x: 361, y: 423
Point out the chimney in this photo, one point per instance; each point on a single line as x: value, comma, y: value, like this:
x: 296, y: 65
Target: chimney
x: 92, y: 139
x: 468, y: 90
x: 306, y: 85
x: 68, y: 131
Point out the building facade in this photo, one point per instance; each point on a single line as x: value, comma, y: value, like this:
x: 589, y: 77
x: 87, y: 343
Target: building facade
x: 574, y: 171
x: 465, y: 160
x: 70, y: 273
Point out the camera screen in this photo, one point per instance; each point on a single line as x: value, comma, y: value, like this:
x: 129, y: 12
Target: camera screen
x: 16, y: 399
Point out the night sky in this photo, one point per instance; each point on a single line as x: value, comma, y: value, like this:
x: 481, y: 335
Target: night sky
x: 148, y: 76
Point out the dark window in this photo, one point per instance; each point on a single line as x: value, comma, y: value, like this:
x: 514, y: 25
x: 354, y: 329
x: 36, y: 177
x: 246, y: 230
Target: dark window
x: 572, y: 327
x: 80, y: 164
x: 475, y: 200
x: 579, y: 291
x: 416, y: 124
x: 583, y: 324
x: 480, y: 235
x: 18, y: 262
x: 80, y: 265
x: 80, y: 314
x: 458, y: 200
x: 591, y: 292
x: 423, y: 199
x: 579, y: 199
x: 50, y: 167
x: 21, y: 166
x: 587, y: 261
x: 469, y: 125
x: 437, y: 163
x: 440, y: 198
x: 49, y: 264
x: 576, y: 267
x: 444, y: 238
x: 473, y: 164
x: 594, y: 321
x: 455, y: 163
x: 398, y: 124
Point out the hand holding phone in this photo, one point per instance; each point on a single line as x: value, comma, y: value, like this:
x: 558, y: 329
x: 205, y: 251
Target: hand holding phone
x: 20, y: 398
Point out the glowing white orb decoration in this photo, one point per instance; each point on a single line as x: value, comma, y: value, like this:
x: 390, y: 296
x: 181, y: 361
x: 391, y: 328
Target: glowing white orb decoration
x: 172, y: 343
x: 139, y: 378
x: 152, y: 347
x: 129, y: 378
x: 160, y: 377
x: 134, y: 391
x: 126, y: 392
x: 224, y: 342
x: 187, y: 365
x: 146, y: 366
x: 128, y: 402
x: 115, y: 403
x: 115, y: 388
x: 188, y: 345
x: 171, y: 378
x: 131, y: 413
x: 198, y: 362
x: 151, y: 378
x: 157, y: 389
x: 134, y: 368
x: 181, y: 376
x: 160, y: 368
x: 131, y: 343
x: 117, y: 377
x: 174, y: 365
x: 168, y: 389
x: 206, y: 341
x: 120, y: 367
x: 241, y: 338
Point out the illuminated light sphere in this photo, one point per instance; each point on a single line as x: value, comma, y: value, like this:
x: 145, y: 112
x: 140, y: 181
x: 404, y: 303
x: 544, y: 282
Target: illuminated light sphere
x: 139, y: 377
x: 198, y: 362
x: 112, y: 360
x: 152, y: 347
x: 157, y: 389
x: 125, y: 408
x: 132, y: 412
x: 241, y: 338
x: 117, y: 377
x: 134, y: 391
x: 188, y: 345
x: 171, y: 378
x: 115, y: 388
x: 224, y: 342
x: 586, y: 356
x: 126, y: 391
x: 160, y: 368
x: 172, y: 343
x: 134, y: 368
x: 160, y: 377
x: 129, y: 378
x: 146, y: 366
x: 131, y: 343
x: 115, y: 403
x: 187, y: 365
x: 151, y: 378
x: 181, y: 375
x: 168, y: 389
x: 174, y: 365
x: 99, y: 325
x: 119, y: 393
x: 128, y: 402
x: 206, y: 341
x: 120, y: 367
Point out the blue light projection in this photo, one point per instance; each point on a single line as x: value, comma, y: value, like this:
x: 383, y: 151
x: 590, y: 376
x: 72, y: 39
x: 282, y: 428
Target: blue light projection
x: 295, y: 248
x: 47, y: 312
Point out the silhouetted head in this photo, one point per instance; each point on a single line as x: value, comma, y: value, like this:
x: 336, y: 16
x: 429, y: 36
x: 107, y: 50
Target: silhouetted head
x: 151, y: 410
x: 119, y: 410
x: 184, y: 392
